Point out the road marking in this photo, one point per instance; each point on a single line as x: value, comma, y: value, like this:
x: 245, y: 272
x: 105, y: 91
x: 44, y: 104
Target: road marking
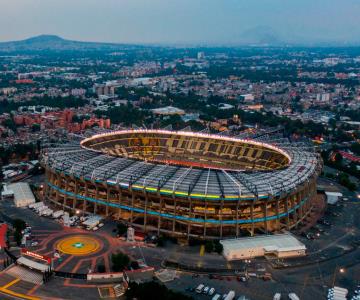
x: 10, y: 283
x: 202, y: 250
x: 4, y: 289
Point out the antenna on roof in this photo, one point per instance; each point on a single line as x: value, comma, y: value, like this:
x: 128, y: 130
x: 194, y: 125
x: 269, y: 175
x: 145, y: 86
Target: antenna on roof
x: 168, y: 127
x: 187, y: 128
x: 205, y: 130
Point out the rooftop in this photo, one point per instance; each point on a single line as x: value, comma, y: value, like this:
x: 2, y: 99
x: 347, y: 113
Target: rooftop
x: 277, y: 241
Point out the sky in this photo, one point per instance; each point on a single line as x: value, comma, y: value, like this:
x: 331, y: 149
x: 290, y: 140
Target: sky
x: 184, y: 21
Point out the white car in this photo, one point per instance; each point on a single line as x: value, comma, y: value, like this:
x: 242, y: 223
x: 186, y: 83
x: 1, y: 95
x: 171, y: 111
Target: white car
x: 211, y: 292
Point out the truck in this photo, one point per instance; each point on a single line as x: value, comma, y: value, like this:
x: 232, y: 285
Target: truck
x: 35, y: 205
x: 337, y: 293
x: 206, y: 290
x: 340, y: 293
x: 277, y: 296
x: 199, y: 288
x: 57, y: 214
x: 230, y: 296
x: 48, y: 212
x: 340, y: 289
x: 73, y: 220
x: 44, y: 212
x: 40, y: 209
x: 293, y: 296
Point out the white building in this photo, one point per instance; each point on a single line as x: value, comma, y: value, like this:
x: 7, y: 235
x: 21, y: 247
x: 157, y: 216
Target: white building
x: 201, y: 55
x: 23, y: 196
x: 247, y: 97
x: 278, y: 245
x: 332, y: 197
x: 168, y: 111
x: 323, y: 97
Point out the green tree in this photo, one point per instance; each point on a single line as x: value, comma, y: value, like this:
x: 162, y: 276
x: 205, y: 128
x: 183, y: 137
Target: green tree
x: 19, y: 225
x: 119, y: 261
x: 121, y: 228
x: 35, y: 128
x: 209, y: 246
x: 218, y: 247
x: 152, y: 290
x: 101, y: 269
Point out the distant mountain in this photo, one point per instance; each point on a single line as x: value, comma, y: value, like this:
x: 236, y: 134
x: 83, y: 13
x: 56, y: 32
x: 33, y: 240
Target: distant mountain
x: 54, y: 42
x: 260, y: 35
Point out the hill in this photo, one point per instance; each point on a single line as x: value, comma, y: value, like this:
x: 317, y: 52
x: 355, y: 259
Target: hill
x: 54, y: 42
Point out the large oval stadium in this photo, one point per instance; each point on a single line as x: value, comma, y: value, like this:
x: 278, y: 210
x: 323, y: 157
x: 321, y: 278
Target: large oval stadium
x: 185, y: 184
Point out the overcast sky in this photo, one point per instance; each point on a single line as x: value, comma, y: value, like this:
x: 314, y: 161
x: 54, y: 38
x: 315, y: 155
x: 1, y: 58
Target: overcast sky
x: 182, y: 21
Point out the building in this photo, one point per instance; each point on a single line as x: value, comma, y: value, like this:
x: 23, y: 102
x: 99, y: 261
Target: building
x: 3, y: 235
x: 332, y: 197
x: 278, y: 245
x: 323, y: 97
x: 247, y: 97
x: 201, y: 55
x: 21, y: 193
x: 185, y: 184
x: 168, y: 111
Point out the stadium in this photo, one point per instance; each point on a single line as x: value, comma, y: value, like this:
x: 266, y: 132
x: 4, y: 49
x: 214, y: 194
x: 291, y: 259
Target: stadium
x: 185, y: 184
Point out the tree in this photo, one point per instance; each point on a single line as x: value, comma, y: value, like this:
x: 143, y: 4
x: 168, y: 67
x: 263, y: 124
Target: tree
x: 35, y: 128
x: 19, y: 225
x: 218, y: 247
x: 121, y: 228
x: 209, y: 246
x: 9, y: 123
x: 120, y: 261
x: 161, y: 241
x: 355, y: 148
x: 101, y: 269
x: 152, y: 290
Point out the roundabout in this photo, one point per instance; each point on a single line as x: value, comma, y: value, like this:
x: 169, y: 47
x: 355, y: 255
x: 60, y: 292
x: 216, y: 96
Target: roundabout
x: 79, y: 245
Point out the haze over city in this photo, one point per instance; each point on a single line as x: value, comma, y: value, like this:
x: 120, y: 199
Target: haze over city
x: 211, y: 22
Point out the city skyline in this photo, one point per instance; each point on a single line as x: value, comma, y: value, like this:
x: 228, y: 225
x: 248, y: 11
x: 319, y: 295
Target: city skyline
x: 187, y: 22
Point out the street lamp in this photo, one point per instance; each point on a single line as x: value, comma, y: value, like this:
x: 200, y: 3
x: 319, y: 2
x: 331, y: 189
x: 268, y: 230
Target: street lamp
x: 340, y: 270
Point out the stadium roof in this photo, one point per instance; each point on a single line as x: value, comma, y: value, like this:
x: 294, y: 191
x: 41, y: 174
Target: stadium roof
x: 203, y: 183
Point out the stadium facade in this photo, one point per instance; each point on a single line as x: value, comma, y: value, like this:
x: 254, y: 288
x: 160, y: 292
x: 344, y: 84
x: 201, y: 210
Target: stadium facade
x: 185, y: 184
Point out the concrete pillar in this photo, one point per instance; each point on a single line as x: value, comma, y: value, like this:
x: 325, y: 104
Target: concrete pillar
x: 237, y: 218
x: 160, y: 211
x: 86, y: 194
x: 277, y: 215
x: 189, y: 223
x: 252, y: 219
x: 175, y: 212
x: 145, y: 214
x: 265, y: 216
x: 76, y: 192
x: 107, y: 201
